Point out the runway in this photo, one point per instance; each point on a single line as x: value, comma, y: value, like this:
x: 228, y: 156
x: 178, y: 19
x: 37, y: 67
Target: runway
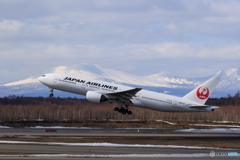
x: 86, y: 132
x: 89, y: 143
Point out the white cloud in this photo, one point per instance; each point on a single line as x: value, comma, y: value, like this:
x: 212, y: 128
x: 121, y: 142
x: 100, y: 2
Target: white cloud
x: 171, y: 27
x: 137, y: 36
x: 11, y: 25
x: 60, y: 69
x: 28, y: 80
x: 169, y: 50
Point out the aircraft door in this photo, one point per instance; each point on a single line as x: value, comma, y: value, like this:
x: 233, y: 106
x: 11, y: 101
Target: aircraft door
x: 174, y: 105
x: 55, y: 78
x: 82, y: 89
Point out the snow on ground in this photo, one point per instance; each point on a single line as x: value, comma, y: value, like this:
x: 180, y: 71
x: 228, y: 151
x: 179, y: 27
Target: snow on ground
x: 4, y: 127
x: 60, y: 127
x: 112, y: 155
x: 106, y: 145
x: 165, y: 122
x: 223, y: 121
x: 215, y: 130
x: 209, y: 125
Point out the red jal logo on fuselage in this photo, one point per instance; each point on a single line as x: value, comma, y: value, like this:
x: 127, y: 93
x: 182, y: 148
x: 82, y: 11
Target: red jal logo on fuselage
x: 202, y: 92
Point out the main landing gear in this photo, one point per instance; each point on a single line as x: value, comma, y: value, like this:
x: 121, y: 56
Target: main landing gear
x: 123, y: 110
x: 51, y: 94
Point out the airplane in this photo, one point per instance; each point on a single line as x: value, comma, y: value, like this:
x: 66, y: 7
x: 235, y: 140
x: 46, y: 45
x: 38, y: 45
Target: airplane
x: 104, y: 92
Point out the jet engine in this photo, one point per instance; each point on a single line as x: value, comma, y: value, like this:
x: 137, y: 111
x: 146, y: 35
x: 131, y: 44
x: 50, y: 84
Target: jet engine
x: 95, y: 97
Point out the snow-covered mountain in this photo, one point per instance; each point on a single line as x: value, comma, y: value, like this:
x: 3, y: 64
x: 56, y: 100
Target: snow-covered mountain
x: 163, y: 81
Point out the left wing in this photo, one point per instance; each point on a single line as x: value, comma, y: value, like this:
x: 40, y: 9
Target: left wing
x: 123, y: 96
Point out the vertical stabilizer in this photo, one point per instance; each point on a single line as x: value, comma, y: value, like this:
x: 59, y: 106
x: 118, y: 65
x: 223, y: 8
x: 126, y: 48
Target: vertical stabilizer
x: 202, y: 92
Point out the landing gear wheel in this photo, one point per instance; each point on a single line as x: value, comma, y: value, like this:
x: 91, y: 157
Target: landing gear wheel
x: 129, y: 112
x: 123, y: 112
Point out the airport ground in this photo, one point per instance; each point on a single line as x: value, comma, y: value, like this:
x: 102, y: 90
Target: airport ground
x: 131, y: 123
x: 109, y: 132
x: 99, y: 144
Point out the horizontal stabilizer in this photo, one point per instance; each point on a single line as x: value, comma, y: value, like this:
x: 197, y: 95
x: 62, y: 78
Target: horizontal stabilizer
x: 203, y: 106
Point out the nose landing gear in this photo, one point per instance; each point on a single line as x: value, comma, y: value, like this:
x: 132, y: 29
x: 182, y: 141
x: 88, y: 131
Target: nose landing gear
x: 123, y: 110
x: 51, y: 94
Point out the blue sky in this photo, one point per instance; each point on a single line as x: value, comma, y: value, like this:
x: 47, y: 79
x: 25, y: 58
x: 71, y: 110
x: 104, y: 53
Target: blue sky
x: 141, y: 37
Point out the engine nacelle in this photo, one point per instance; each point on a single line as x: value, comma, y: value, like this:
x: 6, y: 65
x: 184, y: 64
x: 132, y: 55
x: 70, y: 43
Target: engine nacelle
x: 95, y: 97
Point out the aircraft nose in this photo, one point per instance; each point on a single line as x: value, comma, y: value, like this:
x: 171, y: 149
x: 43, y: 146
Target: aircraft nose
x: 41, y: 78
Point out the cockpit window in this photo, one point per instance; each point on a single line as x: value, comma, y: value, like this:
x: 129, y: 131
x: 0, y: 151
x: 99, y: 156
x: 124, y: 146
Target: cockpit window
x: 44, y: 75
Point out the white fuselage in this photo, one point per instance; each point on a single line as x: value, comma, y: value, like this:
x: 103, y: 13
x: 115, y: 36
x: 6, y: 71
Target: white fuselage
x: 143, y: 98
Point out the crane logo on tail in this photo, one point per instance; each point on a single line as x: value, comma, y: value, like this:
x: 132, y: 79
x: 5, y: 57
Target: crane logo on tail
x: 202, y: 92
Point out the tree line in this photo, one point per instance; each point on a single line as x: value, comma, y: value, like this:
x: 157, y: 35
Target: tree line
x: 14, y: 108
x: 21, y: 100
